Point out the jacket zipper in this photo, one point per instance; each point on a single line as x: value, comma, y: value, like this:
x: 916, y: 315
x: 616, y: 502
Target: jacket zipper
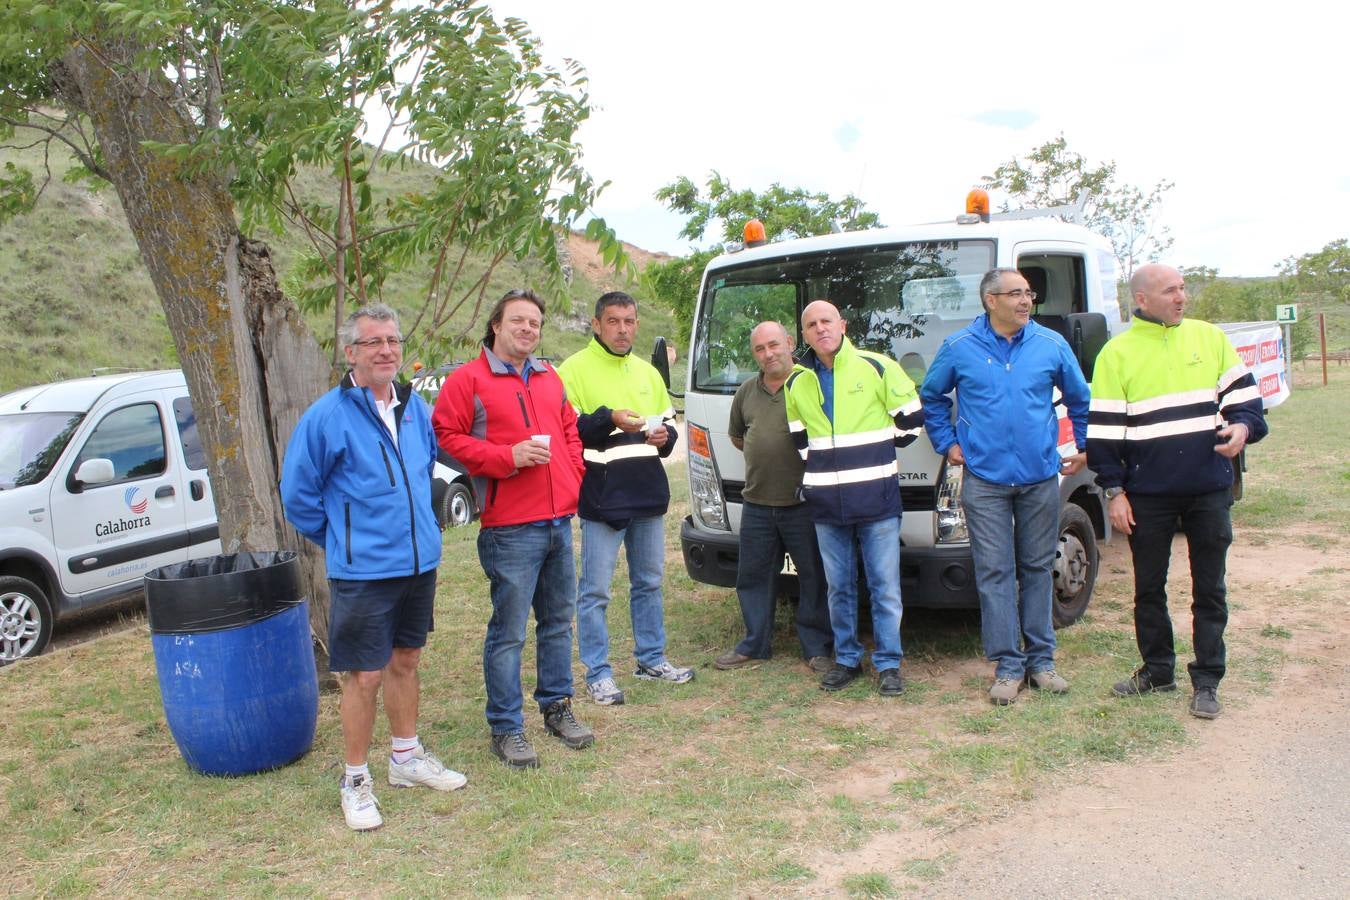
x: 347, y: 510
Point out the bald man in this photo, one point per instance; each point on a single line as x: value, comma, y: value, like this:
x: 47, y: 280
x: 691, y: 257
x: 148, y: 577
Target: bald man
x: 773, y: 518
x: 848, y: 410
x: 1172, y: 406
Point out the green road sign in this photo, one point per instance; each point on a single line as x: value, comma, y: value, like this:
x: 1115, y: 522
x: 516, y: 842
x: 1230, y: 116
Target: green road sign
x: 1286, y: 313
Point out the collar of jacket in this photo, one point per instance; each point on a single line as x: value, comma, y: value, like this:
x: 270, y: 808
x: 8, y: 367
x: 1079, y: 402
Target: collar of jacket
x: 810, y: 359
x: 1141, y: 316
x: 499, y: 367
x: 1145, y: 324
x: 601, y: 345
x: 402, y: 389
x: 985, y: 328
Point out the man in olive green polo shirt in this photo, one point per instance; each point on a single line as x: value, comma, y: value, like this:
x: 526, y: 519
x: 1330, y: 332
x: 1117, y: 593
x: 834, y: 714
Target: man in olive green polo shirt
x: 773, y: 518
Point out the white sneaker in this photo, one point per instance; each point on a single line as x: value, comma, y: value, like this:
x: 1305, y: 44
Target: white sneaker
x: 423, y: 768
x: 605, y: 692
x: 665, y: 671
x: 359, y: 805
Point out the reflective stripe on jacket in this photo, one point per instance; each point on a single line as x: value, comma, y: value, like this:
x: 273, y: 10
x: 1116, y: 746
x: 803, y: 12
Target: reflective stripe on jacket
x: 1159, y: 395
x: 850, y: 475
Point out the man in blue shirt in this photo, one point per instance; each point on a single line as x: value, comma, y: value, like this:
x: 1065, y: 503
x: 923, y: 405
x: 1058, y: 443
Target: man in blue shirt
x: 1005, y: 369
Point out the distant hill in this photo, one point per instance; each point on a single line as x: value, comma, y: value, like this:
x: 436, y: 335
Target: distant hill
x: 75, y: 297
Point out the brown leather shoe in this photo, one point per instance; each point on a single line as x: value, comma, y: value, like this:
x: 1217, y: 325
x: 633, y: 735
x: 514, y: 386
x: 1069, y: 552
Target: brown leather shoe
x: 819, y: 664
x: 732, y: 660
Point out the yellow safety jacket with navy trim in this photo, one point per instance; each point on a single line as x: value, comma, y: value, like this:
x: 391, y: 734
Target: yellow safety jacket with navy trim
x: 1159, y: 395
x: 851, y: 472
x: 625, y: 478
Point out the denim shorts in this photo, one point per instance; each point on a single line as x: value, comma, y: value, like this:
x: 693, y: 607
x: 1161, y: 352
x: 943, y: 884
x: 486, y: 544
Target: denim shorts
x: 368, y: 619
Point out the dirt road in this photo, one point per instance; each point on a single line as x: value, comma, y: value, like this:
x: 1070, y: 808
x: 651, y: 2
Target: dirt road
x: 1256, y: 804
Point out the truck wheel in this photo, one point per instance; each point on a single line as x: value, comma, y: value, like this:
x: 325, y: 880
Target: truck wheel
x: 456, y: 506
x: 1075, y: 570
x: 25, y: 619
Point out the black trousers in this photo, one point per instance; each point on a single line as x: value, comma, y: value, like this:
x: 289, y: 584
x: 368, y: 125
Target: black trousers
x: 1209, y: 531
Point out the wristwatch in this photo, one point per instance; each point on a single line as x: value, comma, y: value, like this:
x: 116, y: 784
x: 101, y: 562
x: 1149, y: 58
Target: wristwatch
x: 1114, y: 492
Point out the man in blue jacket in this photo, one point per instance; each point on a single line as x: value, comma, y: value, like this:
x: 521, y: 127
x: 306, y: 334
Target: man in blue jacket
x: 356, y: 480
x: 1006, y: 370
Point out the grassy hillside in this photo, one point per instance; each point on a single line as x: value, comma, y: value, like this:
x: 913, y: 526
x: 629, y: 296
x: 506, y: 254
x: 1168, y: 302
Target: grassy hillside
x: 75, y: 297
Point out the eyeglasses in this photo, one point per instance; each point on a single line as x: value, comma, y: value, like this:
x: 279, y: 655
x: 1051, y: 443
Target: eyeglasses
x: 376, y: 343
x: 1017, y: 294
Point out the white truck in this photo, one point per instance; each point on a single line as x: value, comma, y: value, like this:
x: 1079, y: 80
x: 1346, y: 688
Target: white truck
x: 901, y: 291
x: 103, y: 479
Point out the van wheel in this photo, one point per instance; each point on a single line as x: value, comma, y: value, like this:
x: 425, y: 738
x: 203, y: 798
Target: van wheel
x: 1075, y: 570
x: 457, y: 506
x: 25, y: 619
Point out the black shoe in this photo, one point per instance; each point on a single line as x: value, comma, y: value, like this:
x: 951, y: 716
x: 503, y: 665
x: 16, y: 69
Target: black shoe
x: 1205, y: 703
x: 514, y: 750
x: 839, y: 677
x: 560, y: 722
x: 1141, y: 683
x: 890, y: 684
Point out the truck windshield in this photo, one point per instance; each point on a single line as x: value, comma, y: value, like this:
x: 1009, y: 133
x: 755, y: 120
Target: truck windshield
x: 30, y: 444
x: 898, y: 299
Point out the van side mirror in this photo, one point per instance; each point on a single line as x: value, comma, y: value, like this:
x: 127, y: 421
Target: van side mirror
x: 93, y: 471
x: 1087, y: 335
x: 661, y: 360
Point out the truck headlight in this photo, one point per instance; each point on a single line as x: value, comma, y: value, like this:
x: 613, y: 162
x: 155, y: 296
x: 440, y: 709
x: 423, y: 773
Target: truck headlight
x: 950, y: 518
x: 705, y: 487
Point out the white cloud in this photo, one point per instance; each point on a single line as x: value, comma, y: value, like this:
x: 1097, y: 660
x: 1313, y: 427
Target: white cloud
x: 907, y: 105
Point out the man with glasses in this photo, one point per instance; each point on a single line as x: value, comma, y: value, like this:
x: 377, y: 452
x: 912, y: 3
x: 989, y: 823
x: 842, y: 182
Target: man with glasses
x: 1006, y: 371
x: 505, y: 417
x: 356, y: 480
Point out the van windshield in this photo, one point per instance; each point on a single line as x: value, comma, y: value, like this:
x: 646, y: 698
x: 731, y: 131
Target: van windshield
x: 31, y: 443
x: 898, y: 299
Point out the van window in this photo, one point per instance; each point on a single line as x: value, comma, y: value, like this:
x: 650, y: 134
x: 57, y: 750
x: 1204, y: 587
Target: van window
x: 898, y: 299
x: 186, y: 419
x: 132, y: 438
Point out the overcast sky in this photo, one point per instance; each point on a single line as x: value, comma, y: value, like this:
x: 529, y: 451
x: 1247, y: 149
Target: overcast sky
x: 907, y: 104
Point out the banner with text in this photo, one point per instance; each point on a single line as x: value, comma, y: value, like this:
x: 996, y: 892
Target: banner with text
x: 1261, y: 347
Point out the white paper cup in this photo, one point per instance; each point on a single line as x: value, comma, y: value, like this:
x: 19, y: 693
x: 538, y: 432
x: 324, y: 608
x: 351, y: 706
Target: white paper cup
x: 654, y: 422
x: 541, y: 438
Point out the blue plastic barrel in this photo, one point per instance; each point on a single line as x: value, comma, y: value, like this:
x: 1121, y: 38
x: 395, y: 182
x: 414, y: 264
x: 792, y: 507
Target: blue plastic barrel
x: 235, y: 661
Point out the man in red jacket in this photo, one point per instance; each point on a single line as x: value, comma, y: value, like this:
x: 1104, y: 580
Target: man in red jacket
x: 505, y: 418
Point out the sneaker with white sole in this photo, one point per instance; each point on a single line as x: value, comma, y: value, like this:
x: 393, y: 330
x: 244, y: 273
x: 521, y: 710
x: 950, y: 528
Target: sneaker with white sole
x: 665, y: 671
x: 1048, y: 680
x: 605, y: 692
x: 359, y: 805
x: 423, y: 768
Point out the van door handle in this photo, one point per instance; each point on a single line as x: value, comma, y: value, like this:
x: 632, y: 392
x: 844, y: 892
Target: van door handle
x: 164, y: 491
x: 196, y: 489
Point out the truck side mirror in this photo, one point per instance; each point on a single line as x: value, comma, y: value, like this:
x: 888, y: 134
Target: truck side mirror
x: 91, y: 472
x: 1087, y: 335
x: 661, y: 360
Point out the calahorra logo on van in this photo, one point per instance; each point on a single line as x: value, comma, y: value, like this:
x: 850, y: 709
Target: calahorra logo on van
x: 136, y: 500
x: 138, y: 503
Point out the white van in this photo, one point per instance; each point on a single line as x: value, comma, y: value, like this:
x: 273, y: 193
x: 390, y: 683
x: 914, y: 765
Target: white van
x: 901, y: 291
x: 102, y: 480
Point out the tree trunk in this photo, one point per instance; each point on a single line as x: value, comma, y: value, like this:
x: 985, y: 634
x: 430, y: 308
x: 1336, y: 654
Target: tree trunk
x: 252, y: 365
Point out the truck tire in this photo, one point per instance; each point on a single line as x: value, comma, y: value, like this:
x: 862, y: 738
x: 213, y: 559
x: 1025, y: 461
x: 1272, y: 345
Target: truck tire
x: 1075, y: 568
x: 456, y: 506
x: 25, y: 619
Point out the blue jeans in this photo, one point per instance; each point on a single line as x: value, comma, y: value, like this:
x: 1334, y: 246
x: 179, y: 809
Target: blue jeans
x: 766, y: 531
x: 880, y: 544
x: 1014, y: 531
x: 528, y: 567
x: 644, y: 543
